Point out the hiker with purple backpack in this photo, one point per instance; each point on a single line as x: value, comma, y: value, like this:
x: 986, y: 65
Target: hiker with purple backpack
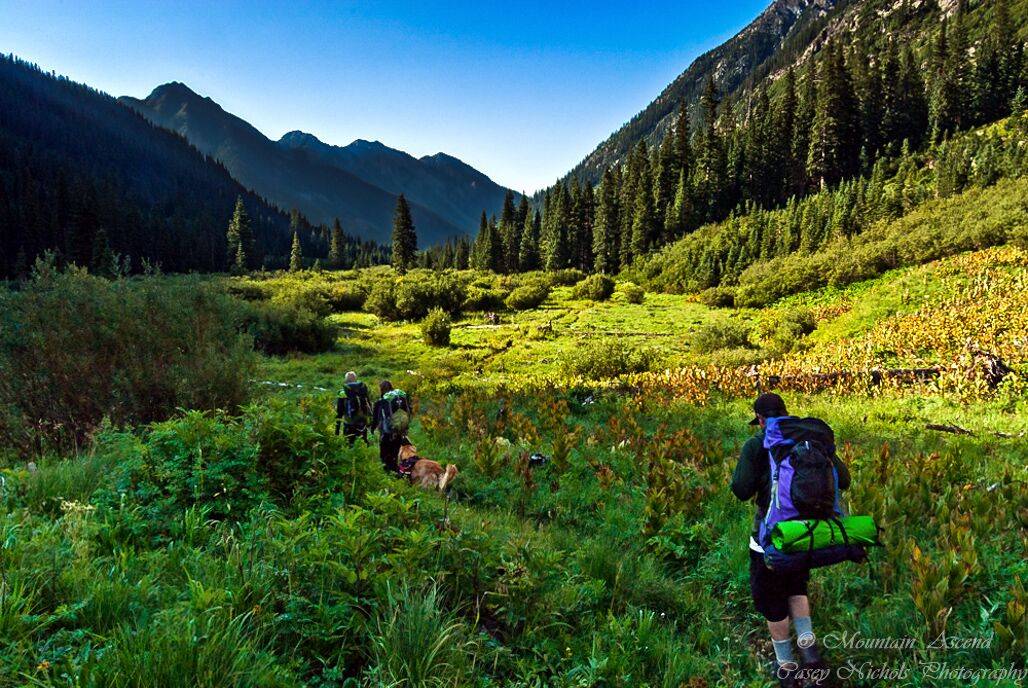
x: 791, y: 471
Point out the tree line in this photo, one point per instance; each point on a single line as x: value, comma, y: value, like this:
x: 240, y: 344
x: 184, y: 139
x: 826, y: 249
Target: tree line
x: 89, y: 180
x: 816, y: 127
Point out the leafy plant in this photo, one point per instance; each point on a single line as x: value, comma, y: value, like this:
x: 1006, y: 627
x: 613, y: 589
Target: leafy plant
x: 435, y: 328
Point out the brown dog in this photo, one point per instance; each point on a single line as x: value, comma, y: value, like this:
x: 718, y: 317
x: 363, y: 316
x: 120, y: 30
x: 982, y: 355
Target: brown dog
x: 429, y: 474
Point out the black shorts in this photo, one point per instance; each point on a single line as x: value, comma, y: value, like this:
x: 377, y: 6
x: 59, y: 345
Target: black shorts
x: 771, y: 591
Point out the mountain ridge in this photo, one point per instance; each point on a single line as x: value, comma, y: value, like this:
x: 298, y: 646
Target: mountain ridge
x: 358, y: 183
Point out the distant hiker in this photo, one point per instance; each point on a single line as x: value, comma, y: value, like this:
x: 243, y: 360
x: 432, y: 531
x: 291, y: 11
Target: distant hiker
x: 780, y: 595
x: 353, y: 409
x: 390, y: 419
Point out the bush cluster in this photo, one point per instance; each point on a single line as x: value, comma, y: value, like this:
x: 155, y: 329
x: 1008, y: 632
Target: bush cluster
x: 413, y: 295
x: 527, y: 297
x: 594, y: 287
x: 280, y: 327
x: 722, y: 334
x: 609, y: 358
x: 76, y: 348
x: 630, y: 292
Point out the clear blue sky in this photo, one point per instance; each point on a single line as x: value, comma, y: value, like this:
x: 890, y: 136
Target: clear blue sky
x: 522, y: 91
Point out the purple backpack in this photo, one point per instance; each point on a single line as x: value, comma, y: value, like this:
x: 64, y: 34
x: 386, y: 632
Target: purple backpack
x: 804, y: 486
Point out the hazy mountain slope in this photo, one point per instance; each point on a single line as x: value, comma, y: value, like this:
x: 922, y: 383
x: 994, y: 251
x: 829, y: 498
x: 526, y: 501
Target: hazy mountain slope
x: 449, y: 187
x: 80, y: 174
x: 287, y: 177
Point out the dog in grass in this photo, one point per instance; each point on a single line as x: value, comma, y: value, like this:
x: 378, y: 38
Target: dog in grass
x: 424, y: 472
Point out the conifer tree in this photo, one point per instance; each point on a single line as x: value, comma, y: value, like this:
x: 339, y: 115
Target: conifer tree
x: 481, y: 258
x: 296, y: 254
x: 678, y: 220
x: 711, y: 163
x: 950, y: 101
x: 240, y: 239
x: 665, y: 176
x: 336, y: 257
x: 835, y: 132
x: 462, y: 254
x: 528, y: 253
x: 607, y: 228
x: 643, y: 218
x: 554, y: 244
x: 785, y: 135
x: 801, y: 137
x: 509, y: 233
x: 405, y: 237
x: 760, y: 168
x: 683, y: 141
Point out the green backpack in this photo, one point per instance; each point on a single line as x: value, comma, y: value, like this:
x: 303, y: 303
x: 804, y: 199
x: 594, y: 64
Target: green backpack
x: 396, y: 419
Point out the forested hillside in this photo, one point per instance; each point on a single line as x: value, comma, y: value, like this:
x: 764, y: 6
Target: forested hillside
x: 85, y: 177
x: 877, y: 100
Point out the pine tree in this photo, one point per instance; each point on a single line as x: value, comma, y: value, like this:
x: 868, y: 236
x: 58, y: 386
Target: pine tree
x: 644, y: 221
x: 868, y: 85
x: 784, y: 127
x: 951, y: 88
x: 711, y: 163
x: 801, y: 137
x: 480, y: 256
x: 835, y: 132
x: 528, y: 253
x: 510, y: 235
x: 462, y: 254
x: 678, y: 220
x: 240, y: 239
x: 760, y: 167
x: 664, y: 178
x: 554, y: 243
x: 296, y: 254
x: 405, y: 237
x: 998, y: 67
x: 683, y: 141
x: 103, y: 261
x: 337, y: 247
x: 607, y: 228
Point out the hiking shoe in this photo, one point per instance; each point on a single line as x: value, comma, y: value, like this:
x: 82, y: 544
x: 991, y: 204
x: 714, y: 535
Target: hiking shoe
x: 786, y: 674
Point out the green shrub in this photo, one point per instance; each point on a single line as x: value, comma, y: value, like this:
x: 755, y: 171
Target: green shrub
x: 784, y: 331
x: 594, y: 287
x: 277, y: 451
x: 414, y: 643
x: 419, y: 291
x: 435, y: 328
x: 722, y: 334
x: 133, y: 350
x: 346, y: 296
x: 567, y: 277
x: 381, y: 300
x: 527, y: 297
x: 484, y: 299
x: 609, y: 358
x: 630, y: 292
x: 248, y: 290
x: 282, y: 326
x: 718, y: 297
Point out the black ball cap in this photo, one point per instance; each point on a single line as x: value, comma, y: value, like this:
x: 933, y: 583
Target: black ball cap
x: 769, y: 405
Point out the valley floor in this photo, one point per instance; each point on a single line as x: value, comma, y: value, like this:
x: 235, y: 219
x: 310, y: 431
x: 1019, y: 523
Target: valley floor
x: 160, y: 557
